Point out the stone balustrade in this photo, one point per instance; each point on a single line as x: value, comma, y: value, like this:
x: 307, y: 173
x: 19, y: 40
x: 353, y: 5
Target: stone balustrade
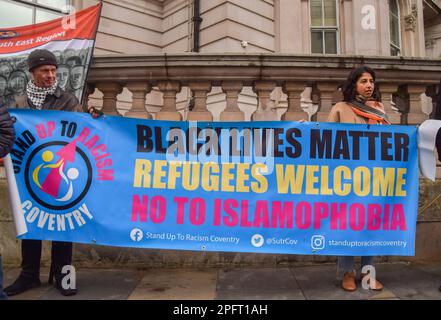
x: 294, y: 74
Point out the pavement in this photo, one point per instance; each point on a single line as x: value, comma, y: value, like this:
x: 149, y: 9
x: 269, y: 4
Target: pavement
x: 402, y: 281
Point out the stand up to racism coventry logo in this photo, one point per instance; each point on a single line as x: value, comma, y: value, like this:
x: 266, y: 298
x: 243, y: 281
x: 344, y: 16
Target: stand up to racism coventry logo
x: 58, y: 165
x: 275, y: 187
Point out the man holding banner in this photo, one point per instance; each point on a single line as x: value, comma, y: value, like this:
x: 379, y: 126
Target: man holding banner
x: 33, y: 47
x: 43, y: 93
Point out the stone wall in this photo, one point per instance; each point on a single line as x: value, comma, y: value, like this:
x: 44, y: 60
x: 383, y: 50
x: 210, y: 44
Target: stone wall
x: 428, y: 245
x: 433, y: 39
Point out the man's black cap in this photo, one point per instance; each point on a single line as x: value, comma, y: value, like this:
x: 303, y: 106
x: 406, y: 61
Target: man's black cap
x: 41, y: 57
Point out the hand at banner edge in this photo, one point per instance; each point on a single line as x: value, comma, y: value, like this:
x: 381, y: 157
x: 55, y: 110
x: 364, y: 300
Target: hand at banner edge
x: 95, y: 112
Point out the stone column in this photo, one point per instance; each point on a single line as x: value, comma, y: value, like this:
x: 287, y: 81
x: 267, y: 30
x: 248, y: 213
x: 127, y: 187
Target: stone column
x: 110, y: 91
x: 326, y: 94
x: 168, y: 111
x: 89, y: 90
x: 232, y: 112
x: 295, y: 111
x: 387, y: 90
x: 306, y: 98
x: 139, y: 91
x: 431, y: 92
x: 200, y: 111
x: 264, y: 112
x: 415, y: 115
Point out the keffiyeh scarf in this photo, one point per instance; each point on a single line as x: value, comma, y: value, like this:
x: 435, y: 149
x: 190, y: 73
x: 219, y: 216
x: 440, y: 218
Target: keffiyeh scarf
x: 37, y: 94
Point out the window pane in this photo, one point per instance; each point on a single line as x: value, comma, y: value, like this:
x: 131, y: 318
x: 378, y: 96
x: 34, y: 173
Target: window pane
x: 394, y: 51
x: 393, y: 7
x: 331, y: 42
x: 330, y: 13
x: 14, y: 15
x: 58, y: 4
x: 394, y: 31
x: 316, y: 13
x: 43, y: 16
x: 317, y: 42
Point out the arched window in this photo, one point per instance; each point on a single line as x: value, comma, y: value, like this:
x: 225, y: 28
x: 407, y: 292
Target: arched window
x: 324, y: 26
x: 394, y: 24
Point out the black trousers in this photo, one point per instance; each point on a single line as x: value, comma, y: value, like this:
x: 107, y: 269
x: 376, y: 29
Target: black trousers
x: 61, y: 255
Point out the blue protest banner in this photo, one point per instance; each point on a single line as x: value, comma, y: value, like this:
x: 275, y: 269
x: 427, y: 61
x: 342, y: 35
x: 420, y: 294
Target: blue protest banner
x: 273, y: 187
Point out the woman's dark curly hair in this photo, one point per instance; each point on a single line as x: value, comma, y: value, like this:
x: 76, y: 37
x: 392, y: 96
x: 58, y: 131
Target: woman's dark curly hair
x: 350, y: 86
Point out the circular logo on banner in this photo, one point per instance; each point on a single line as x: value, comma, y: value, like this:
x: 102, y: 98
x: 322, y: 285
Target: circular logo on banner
x: 136, y: 235
x: 318, y: 242
x: 6, y: 34
x: 257, y: 240
x: 58, y: 175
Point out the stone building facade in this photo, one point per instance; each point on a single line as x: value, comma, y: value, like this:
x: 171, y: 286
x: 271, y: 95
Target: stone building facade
x: 373, y: 28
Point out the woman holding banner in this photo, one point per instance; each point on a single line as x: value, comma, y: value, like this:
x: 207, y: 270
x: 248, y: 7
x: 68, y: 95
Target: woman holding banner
x: 361, y: 105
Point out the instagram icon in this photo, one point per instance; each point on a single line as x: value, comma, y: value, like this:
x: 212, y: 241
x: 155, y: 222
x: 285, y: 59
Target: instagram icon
x: 318, y: 242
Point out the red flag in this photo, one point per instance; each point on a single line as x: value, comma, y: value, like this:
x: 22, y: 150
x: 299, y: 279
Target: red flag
x: 71, y: 38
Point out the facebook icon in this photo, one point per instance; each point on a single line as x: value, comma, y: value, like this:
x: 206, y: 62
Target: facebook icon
x: 136, y: 235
